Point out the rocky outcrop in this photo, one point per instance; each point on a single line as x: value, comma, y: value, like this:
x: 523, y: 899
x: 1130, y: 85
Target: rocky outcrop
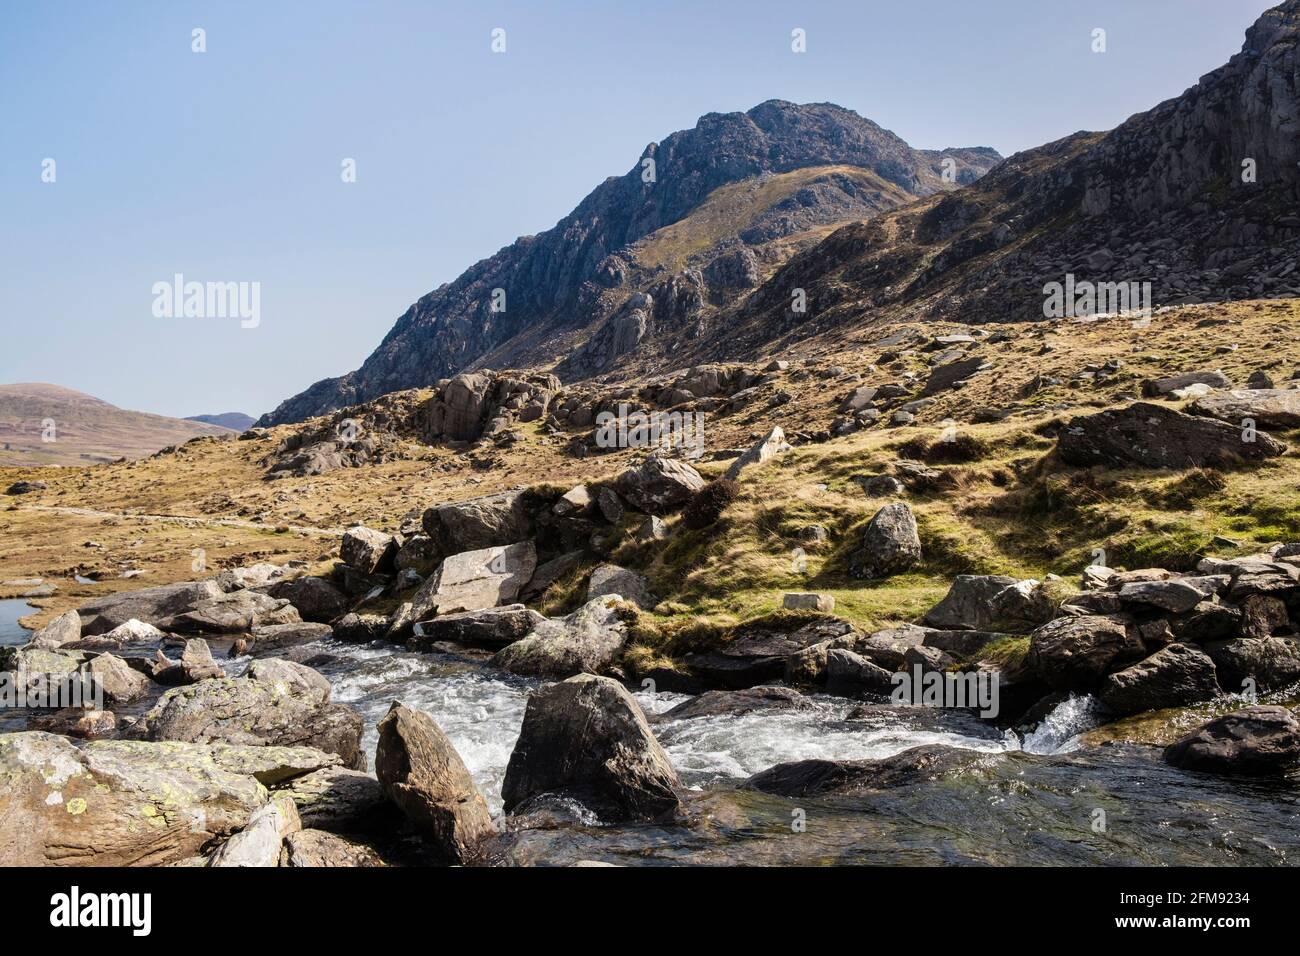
x: 1153, y: 436
x: 659, y: 485
x: 150, y: 605
x: 1254, y: 741
x: 586, y: 738
x: 421, y: 772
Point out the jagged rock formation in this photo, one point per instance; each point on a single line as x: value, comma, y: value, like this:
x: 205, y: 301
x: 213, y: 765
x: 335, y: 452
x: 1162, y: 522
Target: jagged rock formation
x: 789, y: 168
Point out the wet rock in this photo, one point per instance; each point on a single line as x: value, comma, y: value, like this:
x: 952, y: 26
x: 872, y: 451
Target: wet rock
x: 586, y: 641
x: 1271, y: 662
x: 1175, y: 676
x: 150, y: 605
x: 659, y: 485
x: 474, y: 580
x: 761, y: 453
x: 261, y: 840
x: 491, y: 627
x: 1153, y: 436
x: 127, y: 803
x: 1074, y: 653
x: 1254, y: 741
x: 1266, y: 407
x: 890, y: 544
x: 807, y: 778
x: 316, y: 599
x: 735, y: 703
x: 585, y: 737
x: 310, y: 847
x: 610, y: 579
x: 421, y: 772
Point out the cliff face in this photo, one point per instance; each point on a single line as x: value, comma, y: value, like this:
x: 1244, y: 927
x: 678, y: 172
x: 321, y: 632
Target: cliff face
x: 556, y: 283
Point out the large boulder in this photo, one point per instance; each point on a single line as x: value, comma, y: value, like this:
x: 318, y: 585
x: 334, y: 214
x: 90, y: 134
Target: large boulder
x: 487, y: 522
x: 809, y: 778
x: 586, y: 641
x: 1173, y: 676
x: 119, y: 682
x: 890, y: 545
x: 235, y: 613
x: 610, y: 579
x: 659, y: 485
x: 1074, y: 653
x: 421, y: 772
x: 1153, y: 436
x: 474, y: 580
x: 64, y: 629
x: 1255, y: 741
x: 758, y: 653
x: 129, y: 803
x: 1271, y: 662
x: 368, y: 551
x: 316, y: 599
x: 490, y: 627
x: 150, y: 605
x: 249, y: 711
x: 849, y: 673
x: 586, y: 738
x: 467, y: 401
x: 969, y: 602
x: 1267, y: 407
x: 277, y: 637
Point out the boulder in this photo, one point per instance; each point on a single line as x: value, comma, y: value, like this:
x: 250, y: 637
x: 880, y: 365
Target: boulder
x: 235, y: 613
x: 474, y: 580
x: 969, y: 602
x: 757, y: 653
x: 1074, y: 653
x: 1154, y: 436
x: 888, y: 648
x: 890, y: 545
x: 1174, y: 676
x: 760, y: 454
x: 1167, y: 386
x: 150, y: 605
x: 803, y: 601
x: 491, y: 627
x: 368, y: 551
x: 339, y: 800
x: 847, y: 672
x: 586, y: 738
x: 316, y: 599
x: 250, y: 712
x: 318, y: 848
x: 949, y: 374
x: 1267, y: 407
x: 64, y: 629
x: 491, y: 521
x: 1262, y: 614
x: 1254, y: 741
x: 1175, y: 595
x: 128, y: 803
x: 610, y: 579
x: 736, y: 703
x: 576, y: 501
x: 420, y: 771
x: 25, y: 487
x: 466, y: 399
x: 260, y: 841
x: 275, y: 637
x: 132, y: 632
x: 120, y: 683
x: 1271, y: 662
x: 809, y: 778
x: 659, y: 485
x: 291, y: 679
x: 807, y: 666
x: 361, y: 628
x: 610, y: 504
x: 586, y: 641
x: 196, y: 664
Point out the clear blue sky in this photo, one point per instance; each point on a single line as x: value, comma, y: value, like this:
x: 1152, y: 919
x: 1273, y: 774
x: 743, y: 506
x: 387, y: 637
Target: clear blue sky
x: 226, y: 165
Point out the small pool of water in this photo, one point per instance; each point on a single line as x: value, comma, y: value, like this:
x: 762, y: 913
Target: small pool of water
x: 11, y: 632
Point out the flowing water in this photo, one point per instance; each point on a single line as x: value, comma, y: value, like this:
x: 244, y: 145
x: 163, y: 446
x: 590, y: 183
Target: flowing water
x: 1040, y: 801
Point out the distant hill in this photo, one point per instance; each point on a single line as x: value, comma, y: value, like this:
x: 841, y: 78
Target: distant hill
x: 236, y: 421
x: 85, y: 429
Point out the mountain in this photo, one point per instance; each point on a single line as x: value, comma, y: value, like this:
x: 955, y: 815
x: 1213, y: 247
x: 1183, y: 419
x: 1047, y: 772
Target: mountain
x: 727, y: 202
x: 84, y: 429
x: 1162, y: 199
x: 236, y: 421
